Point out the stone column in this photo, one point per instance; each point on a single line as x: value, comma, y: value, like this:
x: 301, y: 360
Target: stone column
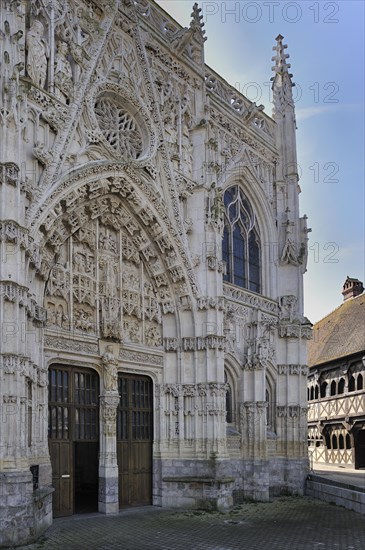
x: 108, y: 466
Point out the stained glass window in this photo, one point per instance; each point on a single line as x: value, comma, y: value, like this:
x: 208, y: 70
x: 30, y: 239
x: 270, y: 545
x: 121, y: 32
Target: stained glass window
x: 241, y: 244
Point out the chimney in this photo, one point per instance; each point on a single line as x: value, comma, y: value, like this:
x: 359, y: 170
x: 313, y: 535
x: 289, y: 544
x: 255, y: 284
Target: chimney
x: 352, y: 288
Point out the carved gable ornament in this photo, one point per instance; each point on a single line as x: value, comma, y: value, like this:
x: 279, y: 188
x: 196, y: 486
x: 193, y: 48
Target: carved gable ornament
x: 121, y: 124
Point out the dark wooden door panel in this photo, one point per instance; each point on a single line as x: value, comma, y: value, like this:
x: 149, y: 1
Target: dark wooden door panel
x: 134, y: 445
x: 62, y: 477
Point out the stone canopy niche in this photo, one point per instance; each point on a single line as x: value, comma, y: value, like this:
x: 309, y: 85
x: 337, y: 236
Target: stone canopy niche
x: 100, y: 287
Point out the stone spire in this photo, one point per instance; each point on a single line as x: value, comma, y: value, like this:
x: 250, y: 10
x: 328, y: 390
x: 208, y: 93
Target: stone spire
x: 282, y: 81
x: 196, y: 24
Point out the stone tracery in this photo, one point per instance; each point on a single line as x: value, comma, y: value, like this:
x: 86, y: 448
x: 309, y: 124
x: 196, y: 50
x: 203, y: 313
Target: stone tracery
x: 119, y: 128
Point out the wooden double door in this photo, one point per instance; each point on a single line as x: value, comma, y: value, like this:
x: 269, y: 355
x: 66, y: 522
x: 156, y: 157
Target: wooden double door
x: 134, y: 440
x: 73, y: 431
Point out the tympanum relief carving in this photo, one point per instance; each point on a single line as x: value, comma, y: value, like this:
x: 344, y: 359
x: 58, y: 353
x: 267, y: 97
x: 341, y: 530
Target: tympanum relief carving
x: 100, y: 287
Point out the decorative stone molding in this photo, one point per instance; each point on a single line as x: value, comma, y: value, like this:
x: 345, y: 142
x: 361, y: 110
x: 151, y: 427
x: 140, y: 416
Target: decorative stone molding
x: 12, y: 232
x: 243, y: 134
x: 291, y: 411
x: 245, y: 297
x: 253, y: 365
x: 170, y: 344
x: 13, y: 292
x: 216, y: 265
x: 141, y: 357
x: 293, y: 369
x: 35, y: 312
x: 193, y: 390
x: 233, y: 310
x: 22, y: 365
x: 9, y: 173
x: 108, y: 409
x: 203, y: 342
x: 207, y: 302
x: 297, y: 330
x: 253, y: 406
x: 7, y: 399
x: 249, y: 112
x: 288, y: 309
x: 9, y: 363
x: 185, y: 185
x: 66, y: 344
x: 251, y: 414
x: 171, y: 64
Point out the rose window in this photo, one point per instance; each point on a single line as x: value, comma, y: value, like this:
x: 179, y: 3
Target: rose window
x: 119, y: 128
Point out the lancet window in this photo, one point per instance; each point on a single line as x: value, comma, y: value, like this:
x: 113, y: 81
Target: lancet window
x: 241, y: 248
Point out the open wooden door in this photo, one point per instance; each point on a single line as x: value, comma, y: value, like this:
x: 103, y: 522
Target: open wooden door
x: 73, y: 432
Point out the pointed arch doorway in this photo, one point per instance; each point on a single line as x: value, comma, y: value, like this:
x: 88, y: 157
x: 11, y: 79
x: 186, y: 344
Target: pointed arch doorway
x: 73, y: 437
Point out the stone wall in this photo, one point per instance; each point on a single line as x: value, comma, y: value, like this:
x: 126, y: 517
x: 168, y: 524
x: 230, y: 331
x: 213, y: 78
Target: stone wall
x: 25, y: 511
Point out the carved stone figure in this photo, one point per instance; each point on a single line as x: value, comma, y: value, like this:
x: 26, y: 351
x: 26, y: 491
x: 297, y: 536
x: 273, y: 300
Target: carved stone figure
x: 288, y: 307
x: 216, y: 204
x: 37, y: 54
x: 63, y: 72
x: 110, y: 364
x: 290, y: 252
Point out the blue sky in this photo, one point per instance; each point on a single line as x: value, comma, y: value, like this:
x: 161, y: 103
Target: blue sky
x: 326, y: 46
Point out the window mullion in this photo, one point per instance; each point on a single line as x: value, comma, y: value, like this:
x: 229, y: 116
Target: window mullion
x: 231, y: 258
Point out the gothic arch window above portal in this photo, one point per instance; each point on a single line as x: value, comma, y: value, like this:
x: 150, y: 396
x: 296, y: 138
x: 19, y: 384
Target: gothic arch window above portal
x: 241, y: 250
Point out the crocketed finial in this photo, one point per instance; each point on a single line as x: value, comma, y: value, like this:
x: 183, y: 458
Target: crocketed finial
x: 197, y: 24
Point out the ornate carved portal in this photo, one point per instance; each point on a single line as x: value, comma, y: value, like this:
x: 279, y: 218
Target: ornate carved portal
x: 100, y: 287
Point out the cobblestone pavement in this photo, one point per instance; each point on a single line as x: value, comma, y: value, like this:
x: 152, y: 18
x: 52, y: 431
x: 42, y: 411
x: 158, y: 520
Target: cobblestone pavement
x: 286, y: 523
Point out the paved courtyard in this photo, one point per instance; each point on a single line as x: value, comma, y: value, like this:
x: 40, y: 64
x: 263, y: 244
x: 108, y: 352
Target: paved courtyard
x: 286, y: 523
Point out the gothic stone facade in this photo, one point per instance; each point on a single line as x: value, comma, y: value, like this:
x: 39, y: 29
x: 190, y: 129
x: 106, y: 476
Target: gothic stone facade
x: 152, y: 257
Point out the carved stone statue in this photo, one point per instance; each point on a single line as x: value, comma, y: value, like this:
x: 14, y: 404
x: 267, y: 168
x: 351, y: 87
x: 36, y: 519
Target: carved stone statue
x: 110, y: 364
x: 37, y: 54
x: 289, y: 254
x: 63, y: 72
x: 288, y: 307
x: 216, y: 205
